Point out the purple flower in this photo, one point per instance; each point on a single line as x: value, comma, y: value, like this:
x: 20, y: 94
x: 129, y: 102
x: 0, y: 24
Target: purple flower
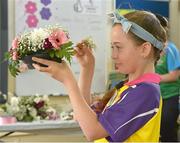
x: 45, y: 13
x: 47, y: 44
x: 46, y: 2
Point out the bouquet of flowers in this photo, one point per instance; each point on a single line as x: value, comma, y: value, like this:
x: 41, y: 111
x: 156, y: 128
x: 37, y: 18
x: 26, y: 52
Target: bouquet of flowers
x: 30, y: 108
x: 52, y: 43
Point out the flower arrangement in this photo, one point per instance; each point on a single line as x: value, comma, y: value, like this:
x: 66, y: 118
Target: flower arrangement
x: 29, y: 108
x: 53, y: 42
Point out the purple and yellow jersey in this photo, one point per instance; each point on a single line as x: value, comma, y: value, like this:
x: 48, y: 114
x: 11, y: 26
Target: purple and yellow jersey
x: 133, y: 114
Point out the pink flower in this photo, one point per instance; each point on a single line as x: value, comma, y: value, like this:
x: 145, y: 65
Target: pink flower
x: 52, y: 116
x: 15, y: 43
x: 32, y: 21
x: 30, y: 7
x: 14, y: 55
x: 57, y: 38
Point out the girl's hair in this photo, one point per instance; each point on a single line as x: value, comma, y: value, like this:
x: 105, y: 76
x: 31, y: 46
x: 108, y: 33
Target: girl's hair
x: 108, y: 95
x: 164, y: 22
x: 150, y: 23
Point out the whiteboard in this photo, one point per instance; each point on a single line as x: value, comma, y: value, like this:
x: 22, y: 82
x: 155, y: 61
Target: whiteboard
x: 82, y: 18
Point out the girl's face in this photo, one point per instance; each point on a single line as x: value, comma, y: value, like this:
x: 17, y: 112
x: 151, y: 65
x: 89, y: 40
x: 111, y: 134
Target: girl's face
x: 125, y: 53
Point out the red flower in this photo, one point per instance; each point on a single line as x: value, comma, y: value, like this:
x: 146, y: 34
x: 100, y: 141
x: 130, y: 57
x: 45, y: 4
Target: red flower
x: 39, y: 104
x: 47, y: 44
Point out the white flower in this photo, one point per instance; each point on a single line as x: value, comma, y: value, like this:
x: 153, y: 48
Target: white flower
x: 14, y: 101
x: 46, y: 98
x: 32, y: 112
x: 12, y: 110
x: 38, y: 35
x: 66, y: 115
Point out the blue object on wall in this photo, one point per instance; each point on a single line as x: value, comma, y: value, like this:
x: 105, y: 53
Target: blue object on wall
x: 155, y: 6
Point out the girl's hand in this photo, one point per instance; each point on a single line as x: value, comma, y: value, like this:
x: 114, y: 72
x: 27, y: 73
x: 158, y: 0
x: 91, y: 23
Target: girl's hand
x: 59, y: 71
x: 85, y: 56
x: 23, y: 67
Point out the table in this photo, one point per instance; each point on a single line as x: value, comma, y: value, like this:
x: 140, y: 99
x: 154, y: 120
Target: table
x: 44, y: 128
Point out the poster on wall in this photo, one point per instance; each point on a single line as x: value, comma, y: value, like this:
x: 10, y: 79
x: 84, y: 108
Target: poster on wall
x: 155, y: 6
x: 82, y: 18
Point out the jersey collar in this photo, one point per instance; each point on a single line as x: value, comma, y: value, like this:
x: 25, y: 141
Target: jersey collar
x: 148, y: 77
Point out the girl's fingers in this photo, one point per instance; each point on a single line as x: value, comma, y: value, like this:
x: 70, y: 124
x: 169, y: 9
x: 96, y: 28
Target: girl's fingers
x: 76, y: 54
x: 39, y: 68
x: 81, y: 45
x: 79, y: 51
x: 41, y: 61
x: 88, y: 51
x: 82, y: 49
x: 36, y: 66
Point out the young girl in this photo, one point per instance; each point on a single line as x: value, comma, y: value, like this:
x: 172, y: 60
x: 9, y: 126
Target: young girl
x: 131, y: 111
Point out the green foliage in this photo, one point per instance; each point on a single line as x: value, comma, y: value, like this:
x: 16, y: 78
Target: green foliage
x: 7, y: 55
x: 65, y: 51
x: 14, y: 68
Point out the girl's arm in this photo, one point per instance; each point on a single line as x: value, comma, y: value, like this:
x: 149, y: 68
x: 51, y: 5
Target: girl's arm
x: 85, y: 80
x: 171, y: 76
x: 86, y: 60
x: 85, y: 116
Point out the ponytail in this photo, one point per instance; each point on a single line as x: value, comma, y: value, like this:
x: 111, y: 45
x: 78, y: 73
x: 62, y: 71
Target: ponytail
x: 102, y: 102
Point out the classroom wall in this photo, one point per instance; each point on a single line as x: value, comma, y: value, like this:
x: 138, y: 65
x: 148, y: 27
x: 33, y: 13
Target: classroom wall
x: 61, y: 102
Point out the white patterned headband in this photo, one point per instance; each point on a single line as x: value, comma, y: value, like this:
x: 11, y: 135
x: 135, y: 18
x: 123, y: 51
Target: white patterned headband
x: 136, y: 29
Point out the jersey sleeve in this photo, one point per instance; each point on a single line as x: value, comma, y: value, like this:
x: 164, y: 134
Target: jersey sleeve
x: 134, y: 110
x: 173, y: 57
